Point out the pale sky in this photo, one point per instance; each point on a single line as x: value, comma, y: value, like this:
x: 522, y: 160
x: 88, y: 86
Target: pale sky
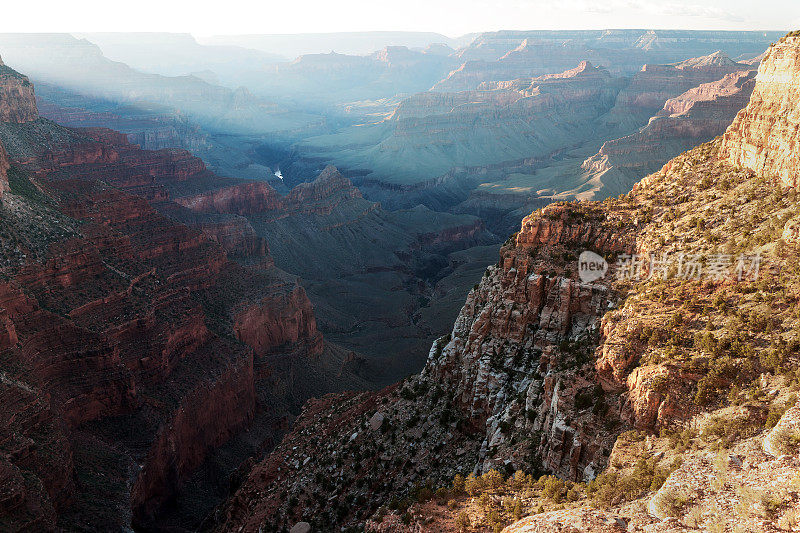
x: 450, y: 17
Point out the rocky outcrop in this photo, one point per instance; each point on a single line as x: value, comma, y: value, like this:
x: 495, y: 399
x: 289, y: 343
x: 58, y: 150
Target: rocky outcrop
x: 17, y: 105
x: 791, y: 232
x: 245, y: 199
x: 585, y: 75
x: 322, y: 195
x: 454, y: 234
x: 765, y: 136
x: 518, y: 316
x: 737, y: 86
x: 17, y: 101
x: 277, y: 322
x: 209, y: 416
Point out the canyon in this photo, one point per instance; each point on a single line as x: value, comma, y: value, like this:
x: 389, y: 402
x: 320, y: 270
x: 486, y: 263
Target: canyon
x: 597, y: 381
x: 133, y: 346
x: 213, y: 281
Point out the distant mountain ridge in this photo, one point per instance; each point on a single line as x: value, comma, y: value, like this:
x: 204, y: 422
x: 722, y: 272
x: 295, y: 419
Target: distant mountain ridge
x: 354, y: 43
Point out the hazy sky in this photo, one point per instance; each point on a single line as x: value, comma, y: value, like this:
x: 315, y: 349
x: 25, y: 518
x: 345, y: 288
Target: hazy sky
x: 451, y: 17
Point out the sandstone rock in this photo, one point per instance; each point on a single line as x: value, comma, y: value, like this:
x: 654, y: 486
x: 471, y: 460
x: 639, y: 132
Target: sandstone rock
x: 243, y: 199
x: 791, y: 232
x: 277, y: 321
x: 209, y: 416
x: 765, y: 136
x: 17, y: 101
x: 301, y: 527
x: 786, y: 428
x: 655, y: 84
x: 694, y: 117
x: 320, y: 196
x: 376, y: 421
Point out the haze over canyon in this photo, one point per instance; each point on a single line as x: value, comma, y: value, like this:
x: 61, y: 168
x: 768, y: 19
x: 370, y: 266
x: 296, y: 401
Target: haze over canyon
x: 330, y: 282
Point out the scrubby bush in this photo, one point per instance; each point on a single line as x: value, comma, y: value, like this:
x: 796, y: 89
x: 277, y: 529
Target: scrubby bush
x: 458, y: 484
x: 672, y: 501
x: 613, y: 487
x: 786, y: 440
x: 553, y: 488
x: 472, y: 485
x: 463, y: 523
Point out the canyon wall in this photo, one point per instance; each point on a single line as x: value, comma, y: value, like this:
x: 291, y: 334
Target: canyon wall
x: 654, y: 84
x: 17, y: 105
x: 765, y: 136
x: 246, y: 199
x: 430, y: 133
x: 505, y: 55
x: 545, y: 371
x: 277, y: 322
x: 119, y: 317
x: 17, y: 101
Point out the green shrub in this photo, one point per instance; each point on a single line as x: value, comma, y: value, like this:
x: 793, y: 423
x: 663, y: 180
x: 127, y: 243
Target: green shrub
x: 786, y: 440
x: 463, y: 523
x: 458, y: 484
x: 553, y: 488
x: 672, y: 501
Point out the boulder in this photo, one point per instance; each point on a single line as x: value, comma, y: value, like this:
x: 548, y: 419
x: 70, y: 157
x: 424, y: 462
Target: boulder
x: 376, y: 421
x: 301, y: 527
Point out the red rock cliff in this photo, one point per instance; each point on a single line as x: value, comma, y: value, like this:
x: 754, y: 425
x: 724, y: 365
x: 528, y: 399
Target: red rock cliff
x: 279, y: 321
x: 765, y: 136
x: 245, y: 199
x: 17, y: 101
x: 209, y: 416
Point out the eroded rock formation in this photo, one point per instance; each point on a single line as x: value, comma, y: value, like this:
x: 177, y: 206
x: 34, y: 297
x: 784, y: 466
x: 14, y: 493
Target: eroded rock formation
x: 4, y: 166
x: 544, y: 369
x: 17, y: 101
x: 765, y: 136
x: 119, y: 314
